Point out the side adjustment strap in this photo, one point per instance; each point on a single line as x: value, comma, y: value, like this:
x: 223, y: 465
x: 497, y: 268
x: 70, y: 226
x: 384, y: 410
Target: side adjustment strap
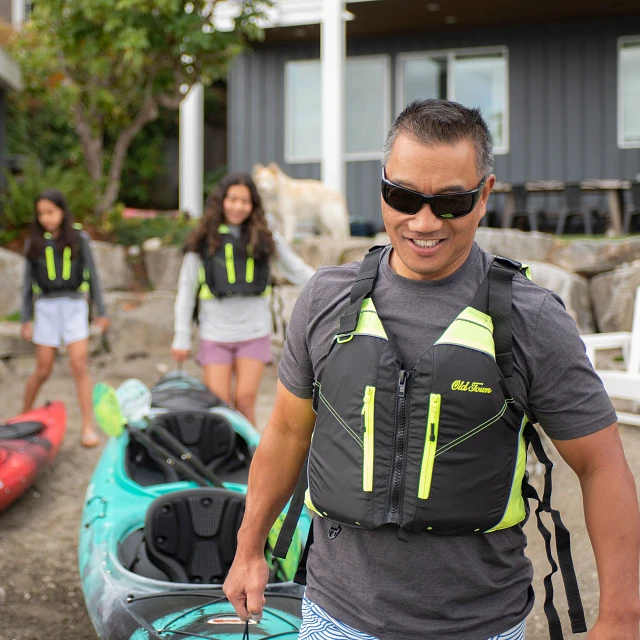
x: 500, y: 285
x: 293, y: 514
x: 563, y: 548
x: 362, y: 288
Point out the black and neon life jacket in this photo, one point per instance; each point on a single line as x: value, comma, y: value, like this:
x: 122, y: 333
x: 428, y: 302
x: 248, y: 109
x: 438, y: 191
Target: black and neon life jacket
x: 232, y: 270
x: 440, y: 448
x: 56, y: 270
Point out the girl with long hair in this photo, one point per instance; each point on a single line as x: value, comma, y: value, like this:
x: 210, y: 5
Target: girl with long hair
x: 226, y: 274
x: 59, y: 272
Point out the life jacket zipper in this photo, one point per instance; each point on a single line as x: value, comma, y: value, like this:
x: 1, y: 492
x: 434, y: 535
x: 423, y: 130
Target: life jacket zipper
x: 398, y: 449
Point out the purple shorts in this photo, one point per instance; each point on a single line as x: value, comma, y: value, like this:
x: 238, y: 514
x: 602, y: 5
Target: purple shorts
x: 211, y: 352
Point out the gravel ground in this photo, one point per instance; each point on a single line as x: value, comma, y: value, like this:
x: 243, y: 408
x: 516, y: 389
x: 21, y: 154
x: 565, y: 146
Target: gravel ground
x: 40, y: 594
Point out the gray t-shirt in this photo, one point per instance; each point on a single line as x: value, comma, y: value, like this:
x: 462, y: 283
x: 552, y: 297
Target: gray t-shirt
x: 457, y: 587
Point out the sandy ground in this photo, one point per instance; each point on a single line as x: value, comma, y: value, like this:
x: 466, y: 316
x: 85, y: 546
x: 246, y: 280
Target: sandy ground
x: 40, y: 594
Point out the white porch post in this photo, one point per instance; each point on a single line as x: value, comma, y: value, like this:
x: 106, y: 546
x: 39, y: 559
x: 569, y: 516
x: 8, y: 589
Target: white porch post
x: 333, y: 60
x: 17, y: 12
x: 191, y: 161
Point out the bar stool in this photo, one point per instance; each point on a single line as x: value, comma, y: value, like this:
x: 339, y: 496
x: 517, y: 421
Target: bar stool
x: 633, y: 209
x: 573, y: 209
x: 521, y: 210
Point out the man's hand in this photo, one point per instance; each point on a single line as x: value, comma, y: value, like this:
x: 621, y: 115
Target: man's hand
x: 615, y: 629
x: 245, y: 585
x: 180, y: 355
x: 26, y: 331
x: 103, y: 322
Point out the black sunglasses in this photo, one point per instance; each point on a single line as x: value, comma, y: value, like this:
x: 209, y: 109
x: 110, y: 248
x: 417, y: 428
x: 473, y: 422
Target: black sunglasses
x: 445, y: 205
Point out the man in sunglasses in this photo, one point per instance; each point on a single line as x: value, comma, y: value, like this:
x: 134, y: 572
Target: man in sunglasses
x: 419, y: 373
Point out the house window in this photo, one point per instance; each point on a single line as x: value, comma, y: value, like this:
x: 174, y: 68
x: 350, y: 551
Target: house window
x: 367, y: 108
x: 629, y: 92
x: 473, y: 77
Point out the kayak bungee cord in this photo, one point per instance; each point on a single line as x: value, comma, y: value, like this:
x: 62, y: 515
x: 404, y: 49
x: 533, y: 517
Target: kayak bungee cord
x: 166, y: 629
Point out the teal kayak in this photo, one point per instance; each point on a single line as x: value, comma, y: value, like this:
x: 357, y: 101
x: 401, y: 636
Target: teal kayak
x: 155, y: 546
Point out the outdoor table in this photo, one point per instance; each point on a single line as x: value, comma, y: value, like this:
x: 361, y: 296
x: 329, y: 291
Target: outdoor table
x: 532, y: 186
x: 614, y: 190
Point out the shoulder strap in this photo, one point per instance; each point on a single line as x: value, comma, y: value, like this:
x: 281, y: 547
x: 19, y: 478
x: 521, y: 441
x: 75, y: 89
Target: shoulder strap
x: 563, y: 548
x: 361, y: 289
x: 494, y: 298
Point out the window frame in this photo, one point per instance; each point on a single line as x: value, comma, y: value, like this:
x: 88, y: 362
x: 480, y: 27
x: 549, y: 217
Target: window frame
x: 622, y: 40
x: 450, y: 55
x: 359, y: 156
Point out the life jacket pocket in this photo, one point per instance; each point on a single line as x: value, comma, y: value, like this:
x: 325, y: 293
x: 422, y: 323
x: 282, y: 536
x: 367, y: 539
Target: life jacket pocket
x: 430, y: 445
x: 368, y: 424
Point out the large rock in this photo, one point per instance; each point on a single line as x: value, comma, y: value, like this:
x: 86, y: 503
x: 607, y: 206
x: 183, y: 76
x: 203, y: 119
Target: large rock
x: 591, y: 257
x: 613, y: 296
x: 143, y: 326
x: 322, y: 250
x: 525, y: 246
x: 12, y: 270
x: 572, y: 288
x: 163, y: 267
x: 285, y: 297
x: 111, y: 262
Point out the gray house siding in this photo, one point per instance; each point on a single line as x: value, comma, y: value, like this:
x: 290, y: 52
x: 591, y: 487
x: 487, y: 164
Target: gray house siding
x: 562, y: 104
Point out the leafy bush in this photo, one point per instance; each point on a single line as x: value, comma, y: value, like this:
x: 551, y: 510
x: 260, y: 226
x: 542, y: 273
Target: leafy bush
x: 22, y: 190
x: 134, y: 231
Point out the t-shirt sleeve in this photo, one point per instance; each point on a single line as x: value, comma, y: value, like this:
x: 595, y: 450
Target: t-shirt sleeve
x: 566, y: 396
x: 296, y: 367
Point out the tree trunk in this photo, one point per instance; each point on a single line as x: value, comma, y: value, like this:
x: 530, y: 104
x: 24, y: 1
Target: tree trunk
x: 91, y: 144
x: 147, y: 113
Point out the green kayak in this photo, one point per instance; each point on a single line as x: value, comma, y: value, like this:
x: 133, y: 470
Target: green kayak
x: 158, y: 531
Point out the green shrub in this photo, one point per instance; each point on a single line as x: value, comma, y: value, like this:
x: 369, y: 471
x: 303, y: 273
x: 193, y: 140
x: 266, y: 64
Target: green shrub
x: 22, y: 190
x: 134, y: 231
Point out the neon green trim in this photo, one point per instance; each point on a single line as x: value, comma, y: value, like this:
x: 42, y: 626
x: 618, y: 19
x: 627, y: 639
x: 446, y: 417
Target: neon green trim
x: 85, y: 287
x: 66, y: 263
x: 47, y: 236
x: 527, y: 270
x: 35, y: 288
x: 475, y: 430
x: 50, y: 259
x: 250, y: 266
x: 228, y: 259
x: 204, y: 292
x: 310, y: 505
x: 77, y: 226
x: 368, y: 324
x: 368, y: 404
x: 224, y: 229
x: 472, y: 329
x: 430, y: 444
x: 516, y: 511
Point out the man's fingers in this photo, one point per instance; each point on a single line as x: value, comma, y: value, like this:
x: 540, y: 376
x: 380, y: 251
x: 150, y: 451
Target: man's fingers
x: 255, y: 603
x: 239, y: 603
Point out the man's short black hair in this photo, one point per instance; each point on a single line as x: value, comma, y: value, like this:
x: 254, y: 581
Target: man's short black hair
x: 434, y: 122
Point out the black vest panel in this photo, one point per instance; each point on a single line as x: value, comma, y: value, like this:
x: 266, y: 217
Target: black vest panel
x: 232, y: 271
x: 56, y: 270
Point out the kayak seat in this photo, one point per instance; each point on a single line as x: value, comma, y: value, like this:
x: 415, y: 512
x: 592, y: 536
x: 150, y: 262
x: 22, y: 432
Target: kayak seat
x: 19, y: 430
x: 208, y: 436
x: 191, y: 536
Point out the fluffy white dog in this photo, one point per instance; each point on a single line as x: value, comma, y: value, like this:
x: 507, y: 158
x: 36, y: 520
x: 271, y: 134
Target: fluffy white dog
x: 293, y: 202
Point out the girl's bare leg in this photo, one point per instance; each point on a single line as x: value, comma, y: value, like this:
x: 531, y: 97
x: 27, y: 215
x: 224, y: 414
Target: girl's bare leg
x: 248, y: 374
x: 218, y: 378
x: 45, y: 357
x: 79, y: 361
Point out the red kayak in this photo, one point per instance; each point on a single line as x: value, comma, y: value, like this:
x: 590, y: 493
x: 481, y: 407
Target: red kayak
x: 27, y: 444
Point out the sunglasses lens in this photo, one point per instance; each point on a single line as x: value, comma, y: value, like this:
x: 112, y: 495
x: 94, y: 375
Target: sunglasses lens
x: 453, y: 206
x: 401, y: 200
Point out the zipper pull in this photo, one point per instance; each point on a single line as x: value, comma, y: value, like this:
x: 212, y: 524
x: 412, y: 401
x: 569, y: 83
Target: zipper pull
x: 402, y: 383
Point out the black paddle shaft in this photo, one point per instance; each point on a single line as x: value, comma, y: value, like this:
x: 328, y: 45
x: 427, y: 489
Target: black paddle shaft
x: 186, y: 455
x: 168, y: 457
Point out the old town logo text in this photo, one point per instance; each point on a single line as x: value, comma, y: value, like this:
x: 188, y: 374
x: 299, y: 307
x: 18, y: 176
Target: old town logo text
x: 472, y: 387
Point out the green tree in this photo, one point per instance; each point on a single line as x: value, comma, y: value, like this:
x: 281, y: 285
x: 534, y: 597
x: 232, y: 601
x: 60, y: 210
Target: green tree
x: 110, y: 65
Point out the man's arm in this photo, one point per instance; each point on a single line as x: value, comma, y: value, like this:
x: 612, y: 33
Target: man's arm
x: 613, y: 523
x: 274, y: 471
